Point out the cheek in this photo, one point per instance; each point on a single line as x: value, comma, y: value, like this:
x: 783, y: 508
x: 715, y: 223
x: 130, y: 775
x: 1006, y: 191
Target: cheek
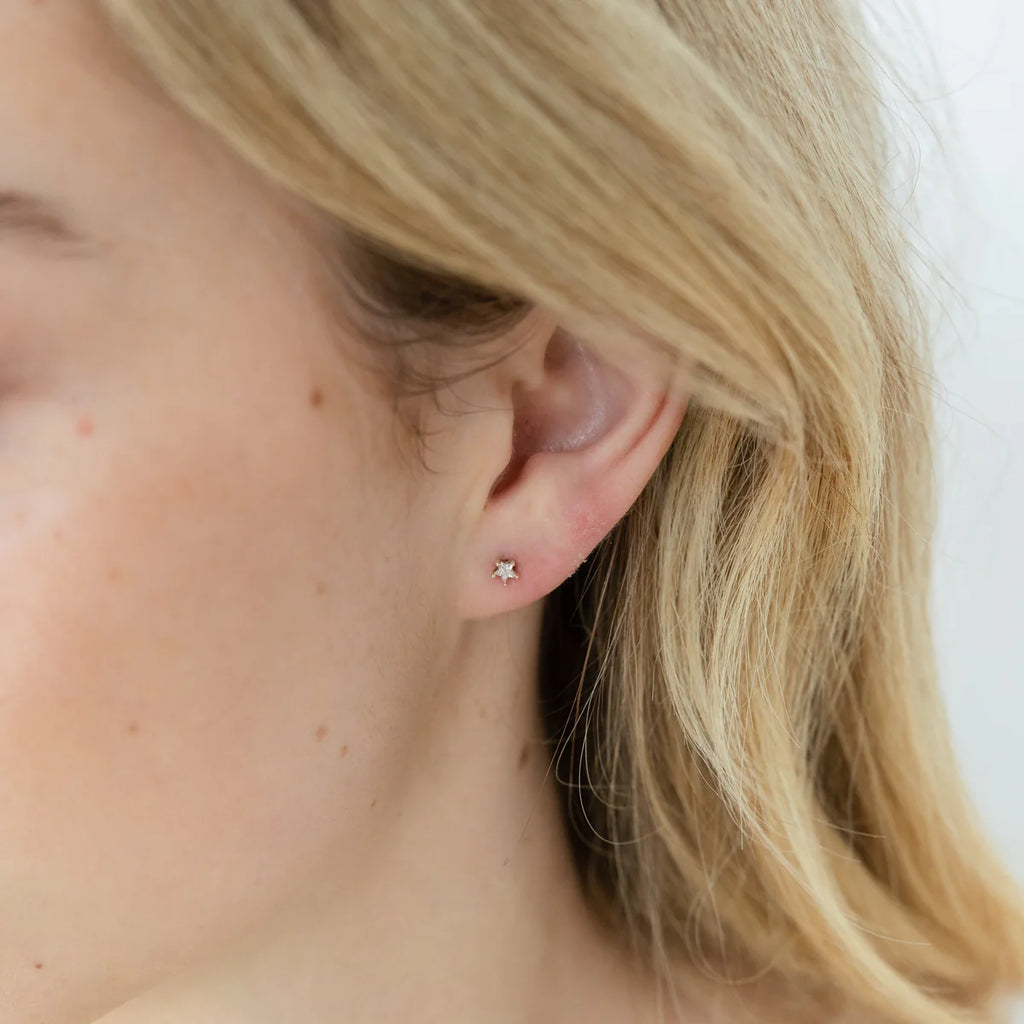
x: 189, y: 661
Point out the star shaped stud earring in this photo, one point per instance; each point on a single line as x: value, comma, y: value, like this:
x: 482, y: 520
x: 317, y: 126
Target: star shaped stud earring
x: 505, y: 570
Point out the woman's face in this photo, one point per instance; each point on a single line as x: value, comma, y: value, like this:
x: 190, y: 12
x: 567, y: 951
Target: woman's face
x: 213, y: 581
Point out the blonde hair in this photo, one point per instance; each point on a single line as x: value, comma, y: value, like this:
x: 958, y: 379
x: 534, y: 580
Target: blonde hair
x: 767, y: 777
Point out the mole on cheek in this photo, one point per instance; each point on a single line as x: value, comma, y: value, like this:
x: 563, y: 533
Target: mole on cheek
x: 316, y: 398
x: 321, y: 733
x: 343, y: 751
x: 133, y: 727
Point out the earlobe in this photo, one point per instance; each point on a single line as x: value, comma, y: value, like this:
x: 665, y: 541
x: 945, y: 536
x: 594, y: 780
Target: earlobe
x: 585, y: 439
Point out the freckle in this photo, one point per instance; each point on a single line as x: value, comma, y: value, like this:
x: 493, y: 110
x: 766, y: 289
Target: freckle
x: 524, y: 756
x: 343, y: 751
x: 85, y: 426
x: 133, y: 727
x: 113, y: 574
x: 321, y: 588
x: 373, y: 803
x: 316, y: 398
x: 39, y: 967
x: 320, y: 733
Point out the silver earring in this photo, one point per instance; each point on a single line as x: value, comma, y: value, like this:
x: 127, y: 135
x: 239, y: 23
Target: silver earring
x: 505, y: 570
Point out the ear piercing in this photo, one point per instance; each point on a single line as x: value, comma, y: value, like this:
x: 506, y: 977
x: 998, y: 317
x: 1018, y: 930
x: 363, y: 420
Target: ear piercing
x: 505, y: 570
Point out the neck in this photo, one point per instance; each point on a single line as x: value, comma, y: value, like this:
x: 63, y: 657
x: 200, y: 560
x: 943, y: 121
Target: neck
x: 464, y: 904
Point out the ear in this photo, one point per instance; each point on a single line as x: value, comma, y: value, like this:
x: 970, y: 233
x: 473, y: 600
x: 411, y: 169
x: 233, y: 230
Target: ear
x: 585, y: 437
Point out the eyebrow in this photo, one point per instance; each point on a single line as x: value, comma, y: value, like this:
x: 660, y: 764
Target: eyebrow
x: 26, y: 217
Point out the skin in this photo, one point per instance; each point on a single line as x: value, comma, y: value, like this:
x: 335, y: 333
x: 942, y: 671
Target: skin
x: 269, y: 748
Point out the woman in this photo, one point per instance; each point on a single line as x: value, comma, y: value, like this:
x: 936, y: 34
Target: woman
x: 466, y: 505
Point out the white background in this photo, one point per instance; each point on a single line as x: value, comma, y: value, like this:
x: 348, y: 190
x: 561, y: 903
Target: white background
x: 972, y: 214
